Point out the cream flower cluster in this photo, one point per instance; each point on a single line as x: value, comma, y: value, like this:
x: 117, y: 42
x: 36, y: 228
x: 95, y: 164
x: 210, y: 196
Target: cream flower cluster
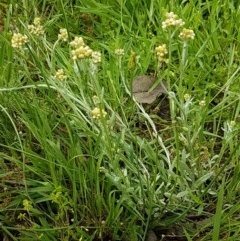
x: 187, y: 34
x: 96, y: 57
x: 202, y: 103
x: 60, y: 74
x: 36, y: 21
x: 36, y: 28
x: 161, y: 52
x: 18, y: 40
x: 77, y: 42
x: 63, y: 34
x: 98, y: 113
x: 172, y: 19
x: 119, y: 52
x: 80, y: 49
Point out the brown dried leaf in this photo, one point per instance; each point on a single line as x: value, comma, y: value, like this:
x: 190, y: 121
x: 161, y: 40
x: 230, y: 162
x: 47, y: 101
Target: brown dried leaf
x: 141, y: 86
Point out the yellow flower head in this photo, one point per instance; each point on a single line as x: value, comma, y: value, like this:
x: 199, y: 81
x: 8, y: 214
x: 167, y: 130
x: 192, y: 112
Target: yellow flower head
x: 96, y: 57
x: 77, y: 43
x: 63, y: 34
x: 119, y: 52
x: 172, y: 20
x: 202, y: 103
x: 187, y: 34
x: 37, y: 21
x: 81, y: 52
x: 80, y: 49
x: 18, y: 40
x: 36, y: 27
x: 97, y: 113
x: 161, y: 52
x: 37, y: 30
x: 60, y: 74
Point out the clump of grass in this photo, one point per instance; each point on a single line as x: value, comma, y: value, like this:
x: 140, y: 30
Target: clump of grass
x: 81, y: 159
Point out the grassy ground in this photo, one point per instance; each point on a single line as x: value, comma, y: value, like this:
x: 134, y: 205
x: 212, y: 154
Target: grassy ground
x: 81, y: 159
